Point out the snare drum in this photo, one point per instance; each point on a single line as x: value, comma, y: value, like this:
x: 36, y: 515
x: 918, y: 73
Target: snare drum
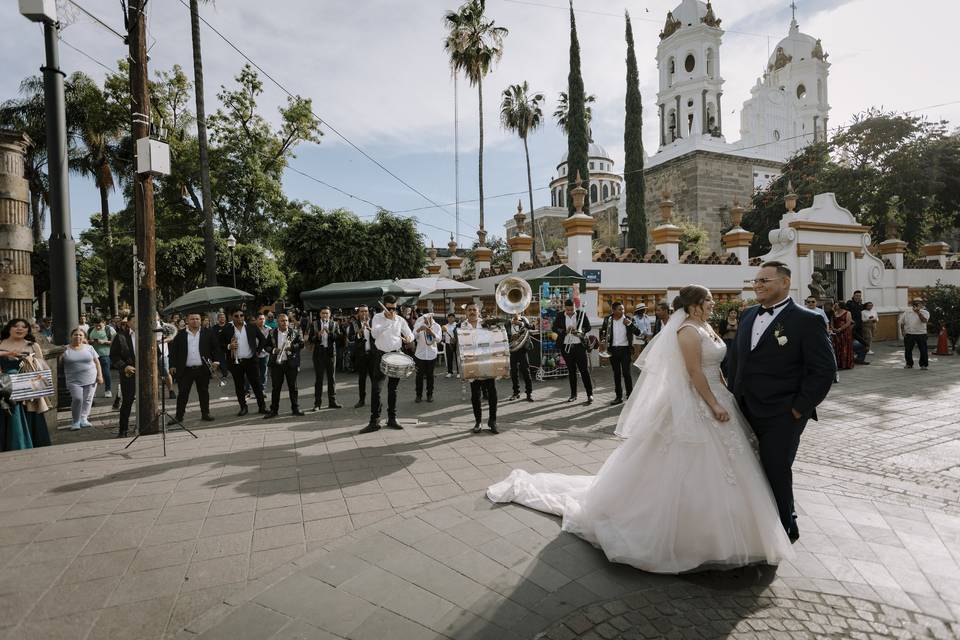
x: 483, y: 353
x: 397, y: 365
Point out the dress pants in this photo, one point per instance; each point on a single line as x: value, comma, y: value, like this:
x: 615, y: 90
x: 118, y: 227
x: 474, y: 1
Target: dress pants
x: 520, y: 366
x: 451, y: 357
x: 779, y: 439
x: 920, y: 341
x: 361, y: 363
x: 128, y: 392
x: 185, y: 380
x: 324, y: 367
x: 575, y: 356
x: 279, y: 373
x: 247, y: 372
x: 620, y: 361
x: 489, y: 389
x: 376, y: 378
x: 425, y: 372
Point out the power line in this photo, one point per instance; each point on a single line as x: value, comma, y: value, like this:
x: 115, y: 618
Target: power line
x: 98, y: 20
x: 321, y: 120
x: 86, y: 55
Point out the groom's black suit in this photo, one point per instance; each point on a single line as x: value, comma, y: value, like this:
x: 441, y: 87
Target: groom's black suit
x: 772, y: 380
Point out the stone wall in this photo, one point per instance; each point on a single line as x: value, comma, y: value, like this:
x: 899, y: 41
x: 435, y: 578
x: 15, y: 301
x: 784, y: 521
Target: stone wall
x: 16, y: 240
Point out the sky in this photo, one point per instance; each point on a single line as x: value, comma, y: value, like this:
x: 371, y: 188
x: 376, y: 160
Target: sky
x: 377, y: 74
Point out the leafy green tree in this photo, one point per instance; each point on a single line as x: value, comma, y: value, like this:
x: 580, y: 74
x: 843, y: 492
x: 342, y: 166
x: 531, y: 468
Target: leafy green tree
x: 693, y: 237
x: 943, y: 303
x: 520, y: 113
x: 633, y: 153
x: 501, y: 256
x: 578, y: 137
x: 563, y: 106
x: 247, y: 167
x: 474, y: 44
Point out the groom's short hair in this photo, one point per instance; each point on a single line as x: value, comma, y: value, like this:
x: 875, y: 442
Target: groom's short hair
x: 781, y: 267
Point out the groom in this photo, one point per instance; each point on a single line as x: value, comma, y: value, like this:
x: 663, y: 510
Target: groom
x: 779, y: 368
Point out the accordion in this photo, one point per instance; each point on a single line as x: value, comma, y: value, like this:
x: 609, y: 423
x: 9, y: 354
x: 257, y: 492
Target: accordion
x: 30, y: 385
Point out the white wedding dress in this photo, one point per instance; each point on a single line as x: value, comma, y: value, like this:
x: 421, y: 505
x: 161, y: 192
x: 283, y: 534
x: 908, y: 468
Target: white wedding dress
x: 683, y: 491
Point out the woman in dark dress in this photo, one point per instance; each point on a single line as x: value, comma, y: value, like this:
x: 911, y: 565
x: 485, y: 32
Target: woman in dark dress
x: 842, y: 325
x: 21, y: 425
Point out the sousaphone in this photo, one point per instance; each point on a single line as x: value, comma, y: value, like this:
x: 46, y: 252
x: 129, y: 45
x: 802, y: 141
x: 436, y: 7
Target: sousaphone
x: 513, y: 296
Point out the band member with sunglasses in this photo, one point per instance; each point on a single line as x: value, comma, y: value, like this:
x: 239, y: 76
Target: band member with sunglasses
x: 242, y: 342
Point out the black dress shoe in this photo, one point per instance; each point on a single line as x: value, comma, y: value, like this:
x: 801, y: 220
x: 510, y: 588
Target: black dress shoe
x: 370, y: 428
x: 430, y: 398
x: 333, y: 404
x: 589, y: 401
x: 418, y: 399
x: 572, y: 399
x: 178, y: 418
x: 269, y: 414
x: 243, y: 411
x: 393, y: 424
x: 261, y: 410
x: 207, y: 418
x: 359, y: 404
x: 616, y: 401
x: 297, y: 412
x: 515, y: 396
x: 493, y: 427
x: 122, y: 434
x: 316, y: 407
x: 529, y: 398
x: 476, y: 428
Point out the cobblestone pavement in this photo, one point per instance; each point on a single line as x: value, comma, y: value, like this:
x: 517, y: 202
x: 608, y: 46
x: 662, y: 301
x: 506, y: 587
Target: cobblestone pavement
x: 299, y: 528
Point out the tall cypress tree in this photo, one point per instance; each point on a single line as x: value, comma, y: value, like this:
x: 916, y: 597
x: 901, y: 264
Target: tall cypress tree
x: 578, y: 139
x: 633, y: 153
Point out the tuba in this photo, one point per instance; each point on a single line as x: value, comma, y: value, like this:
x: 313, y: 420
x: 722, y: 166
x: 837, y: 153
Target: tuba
x: 513, y: 296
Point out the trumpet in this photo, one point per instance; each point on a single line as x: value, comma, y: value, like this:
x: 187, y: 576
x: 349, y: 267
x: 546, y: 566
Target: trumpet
x: 235, y: 348
x: 284, y: 351
x: 215, y: 372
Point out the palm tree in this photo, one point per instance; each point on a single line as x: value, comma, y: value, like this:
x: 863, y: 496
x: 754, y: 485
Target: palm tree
x: 209, y: 243
x: 98, y: 125
x: 520, y: 112
x: 560, y: 115
x: 474, y: 43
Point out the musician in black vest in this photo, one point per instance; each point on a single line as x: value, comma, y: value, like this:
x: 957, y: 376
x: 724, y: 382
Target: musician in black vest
x: 360, y: 343
x: 192, y: 354
x: 571, y: 328
x: 323, y: 338
x: 242, y: 341
x: 283, y: 349
x: 123, y: 358
x: 779, y: 368
x: 519, y: 363
x: 618, y: 332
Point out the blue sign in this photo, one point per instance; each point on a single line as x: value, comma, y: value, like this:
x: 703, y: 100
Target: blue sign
x: 592, y: 276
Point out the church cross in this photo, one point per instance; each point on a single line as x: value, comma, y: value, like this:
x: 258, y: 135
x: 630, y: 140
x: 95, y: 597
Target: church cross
x: 793, y: 8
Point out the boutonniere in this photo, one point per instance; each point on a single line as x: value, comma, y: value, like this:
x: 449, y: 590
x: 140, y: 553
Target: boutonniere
x: 778, y: 334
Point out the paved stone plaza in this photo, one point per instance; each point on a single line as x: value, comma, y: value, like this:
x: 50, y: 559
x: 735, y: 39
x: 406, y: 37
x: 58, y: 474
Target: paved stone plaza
x: 299, y: 528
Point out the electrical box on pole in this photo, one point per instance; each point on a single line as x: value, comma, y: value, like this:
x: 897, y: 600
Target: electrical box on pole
x: 39, y: 10
x: 153, y: 157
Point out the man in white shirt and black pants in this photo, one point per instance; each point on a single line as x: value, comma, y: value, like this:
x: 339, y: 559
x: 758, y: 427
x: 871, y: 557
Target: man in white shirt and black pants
x: 428, y: 333
x: 242, y: 342
x: 618, y: 331
x: 913, y: 326
x: 571, y: 326
x: 192, y: 352
x: 390, y: 332
x: 360, y: 341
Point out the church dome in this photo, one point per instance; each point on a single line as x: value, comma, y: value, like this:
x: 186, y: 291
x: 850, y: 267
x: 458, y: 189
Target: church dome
x: 593, y: 151
x: 795, y: 47
x: 689, y: 12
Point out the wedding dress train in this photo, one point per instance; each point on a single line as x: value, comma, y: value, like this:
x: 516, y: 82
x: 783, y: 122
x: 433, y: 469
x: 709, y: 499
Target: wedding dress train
x: 683, y: 491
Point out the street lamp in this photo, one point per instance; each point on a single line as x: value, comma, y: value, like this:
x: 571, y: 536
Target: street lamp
x: 624, y: 228
x: 63, y: 260
x: 231, y: 244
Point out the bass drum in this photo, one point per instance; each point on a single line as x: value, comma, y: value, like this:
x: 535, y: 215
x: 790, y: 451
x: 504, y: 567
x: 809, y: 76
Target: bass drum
x: 483, y: 354
x: 397, y: 365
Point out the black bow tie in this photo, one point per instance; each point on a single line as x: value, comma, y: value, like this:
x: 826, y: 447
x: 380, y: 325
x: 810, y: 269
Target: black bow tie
x: 770, y: 310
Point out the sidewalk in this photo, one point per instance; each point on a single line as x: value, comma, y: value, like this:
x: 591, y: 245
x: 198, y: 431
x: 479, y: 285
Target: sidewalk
x: 302, y: 529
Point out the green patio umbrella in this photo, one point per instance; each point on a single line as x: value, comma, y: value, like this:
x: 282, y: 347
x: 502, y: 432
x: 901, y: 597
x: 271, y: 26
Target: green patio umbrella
x: 206, y: 299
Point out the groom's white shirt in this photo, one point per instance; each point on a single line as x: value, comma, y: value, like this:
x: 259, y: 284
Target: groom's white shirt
x: 763, y: 320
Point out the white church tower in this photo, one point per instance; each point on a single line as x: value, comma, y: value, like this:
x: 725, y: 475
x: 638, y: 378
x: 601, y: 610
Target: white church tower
x: 788, y: 107
x: 688, y: 58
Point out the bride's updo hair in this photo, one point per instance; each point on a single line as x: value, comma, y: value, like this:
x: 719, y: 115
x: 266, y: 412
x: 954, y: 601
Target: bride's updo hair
x: 691, y: 295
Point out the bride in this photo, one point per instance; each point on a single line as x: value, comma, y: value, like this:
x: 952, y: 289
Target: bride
x: 685, y: 490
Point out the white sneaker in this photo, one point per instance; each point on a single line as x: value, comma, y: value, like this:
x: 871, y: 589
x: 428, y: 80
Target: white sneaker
x: 86, y: 423
x: 449, y: 375
x: 870, y: 353
x: 107, y: 394
x: 75, y: 426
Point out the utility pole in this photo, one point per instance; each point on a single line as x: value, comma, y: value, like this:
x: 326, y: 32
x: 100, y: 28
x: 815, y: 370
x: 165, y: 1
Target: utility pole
x: 63, y: 252
x: 145, y: 226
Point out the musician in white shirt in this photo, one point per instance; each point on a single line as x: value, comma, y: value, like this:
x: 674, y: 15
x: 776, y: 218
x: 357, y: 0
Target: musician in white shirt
x: 390, y: 332
x: 571, y: 328
x: 428, y: 334
x: 484, y: 387
x: 360, y: 341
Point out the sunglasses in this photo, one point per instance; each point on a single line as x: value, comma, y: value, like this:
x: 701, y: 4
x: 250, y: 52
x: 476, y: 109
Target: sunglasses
x: 390, y: 308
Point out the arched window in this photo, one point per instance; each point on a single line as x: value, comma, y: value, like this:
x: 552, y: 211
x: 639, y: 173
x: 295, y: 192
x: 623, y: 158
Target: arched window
x: 562, y: 198
x: 672, y: 125
x: 593, y: 193
x: 671, y: 70
x: 606, y: 191
x: 710, y: 63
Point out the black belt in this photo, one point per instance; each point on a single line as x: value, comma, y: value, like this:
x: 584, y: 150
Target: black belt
x: 199, y: 366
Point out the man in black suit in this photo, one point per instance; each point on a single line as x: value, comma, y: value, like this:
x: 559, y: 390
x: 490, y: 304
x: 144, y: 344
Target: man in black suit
x: 779, y: 368
x: 123, y: 358
x: 662, y: 314
x: 323, y: 337
x: 519, y: 363
x: 192, y: 352
x: 571, y: 328
x: 361, y: 345
x: 242, y: 341
x: 283, y: 347
x: 618, y: 332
